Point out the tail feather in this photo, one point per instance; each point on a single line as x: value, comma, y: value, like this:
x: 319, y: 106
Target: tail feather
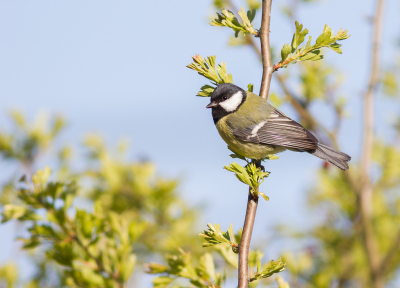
x: 330, y: 155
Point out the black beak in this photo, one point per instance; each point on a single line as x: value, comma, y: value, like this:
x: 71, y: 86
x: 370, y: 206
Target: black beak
x: 212, y: 104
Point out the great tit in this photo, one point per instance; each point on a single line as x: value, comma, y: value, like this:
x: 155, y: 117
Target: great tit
x: 254, y: 129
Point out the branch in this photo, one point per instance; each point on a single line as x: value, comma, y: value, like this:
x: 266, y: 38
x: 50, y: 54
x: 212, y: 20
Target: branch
x: 265, y: 49
x: 365, y: 193
x: 252, y: 201
x: 390, y: 254
x: 304, y: 114
x: 244, y: 245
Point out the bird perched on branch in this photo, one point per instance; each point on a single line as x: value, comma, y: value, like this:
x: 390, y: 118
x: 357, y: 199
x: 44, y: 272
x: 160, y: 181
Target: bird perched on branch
x: 254, y: 129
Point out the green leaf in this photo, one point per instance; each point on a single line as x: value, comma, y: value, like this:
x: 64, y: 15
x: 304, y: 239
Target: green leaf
x: 271, y: 157
x: 206, y: 268
x: 30, y: 243
x: 231, y: 234
x: 237, y: 156
x: 128, y: 267
x: 390, y: 84
x: 206, y: 91
x: 336, y: 47
x: 298, y: 36
x: 92, y: 277
x: 41, y: 176
x: 323, y: 39
x: 281, y: 282
x: 228, y: 254
x: 266, y: 198
x: 9, y: 275
x: 250, y: 87
x: 155, y: 268
x: 272, y: 267
x: 164, y: 280
x: 251, y: 15
x: 312, y: 56
x: 11, y: 211
x: 286, y: 50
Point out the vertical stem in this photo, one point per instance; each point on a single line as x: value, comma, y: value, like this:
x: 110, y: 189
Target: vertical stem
x: 365, y: 195
x: 369, y: 101
x: 252, y: 202
x: 265, y: 49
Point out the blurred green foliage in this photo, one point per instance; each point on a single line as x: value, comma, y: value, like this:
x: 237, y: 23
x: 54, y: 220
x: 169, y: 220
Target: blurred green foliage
x: 94, y: 249
x: 131, y: 215
x: 180, y: 266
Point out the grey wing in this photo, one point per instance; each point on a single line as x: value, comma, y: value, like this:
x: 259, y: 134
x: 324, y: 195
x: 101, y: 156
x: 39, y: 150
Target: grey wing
x: 278, y: 130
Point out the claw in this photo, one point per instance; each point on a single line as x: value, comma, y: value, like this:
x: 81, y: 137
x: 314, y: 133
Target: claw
x: 258, y: 164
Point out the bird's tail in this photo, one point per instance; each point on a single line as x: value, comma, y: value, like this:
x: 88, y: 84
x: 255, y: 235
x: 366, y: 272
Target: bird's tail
x: 330, y: 155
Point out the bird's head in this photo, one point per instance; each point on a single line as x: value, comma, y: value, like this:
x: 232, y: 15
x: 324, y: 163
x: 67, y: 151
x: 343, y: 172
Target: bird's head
x: 227, y: 97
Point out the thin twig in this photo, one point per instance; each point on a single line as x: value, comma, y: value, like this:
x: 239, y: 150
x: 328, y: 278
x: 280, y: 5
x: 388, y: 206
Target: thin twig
x: 365, y: 193
x: 265, y: 49
x: 244, y: 245
x: 304, y: 114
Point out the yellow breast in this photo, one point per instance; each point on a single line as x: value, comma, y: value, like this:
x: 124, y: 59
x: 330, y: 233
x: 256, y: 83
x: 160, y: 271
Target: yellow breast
x: 246, y: 149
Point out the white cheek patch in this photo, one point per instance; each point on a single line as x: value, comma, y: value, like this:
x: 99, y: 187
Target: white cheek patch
x: 233, y: 102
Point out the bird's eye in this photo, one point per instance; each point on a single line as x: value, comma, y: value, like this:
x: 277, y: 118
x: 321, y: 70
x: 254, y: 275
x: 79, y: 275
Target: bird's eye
x: 224, y: 97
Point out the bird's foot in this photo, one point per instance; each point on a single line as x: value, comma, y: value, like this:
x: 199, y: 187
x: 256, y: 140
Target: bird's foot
x: 258, y: 165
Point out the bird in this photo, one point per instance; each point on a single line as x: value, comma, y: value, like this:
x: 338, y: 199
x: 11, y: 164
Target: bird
x: 255, y: 129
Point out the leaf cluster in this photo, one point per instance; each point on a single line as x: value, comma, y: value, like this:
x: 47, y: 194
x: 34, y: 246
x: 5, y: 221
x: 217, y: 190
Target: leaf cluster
x: 250, y: 175
x: 202, y: 275
x: 206, y: 67
x: 268, y: 269
x: 217, y: 75
x: 227, y: 18
x: 29, y: 138
x: 291, y: 53
x: 215, y: 236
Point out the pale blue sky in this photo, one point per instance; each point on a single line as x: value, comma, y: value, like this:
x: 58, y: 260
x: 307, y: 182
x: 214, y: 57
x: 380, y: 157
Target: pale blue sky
x: 118, y: 68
